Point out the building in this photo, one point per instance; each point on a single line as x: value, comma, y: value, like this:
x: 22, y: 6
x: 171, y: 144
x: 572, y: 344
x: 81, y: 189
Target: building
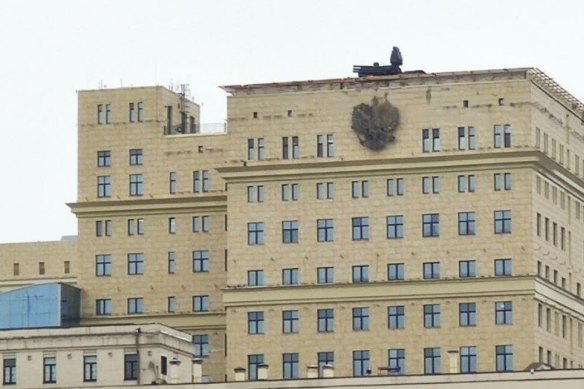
x: 384, y: 222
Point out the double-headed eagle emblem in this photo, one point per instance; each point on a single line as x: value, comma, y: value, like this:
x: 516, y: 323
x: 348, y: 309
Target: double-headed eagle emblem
x: 375, y: 123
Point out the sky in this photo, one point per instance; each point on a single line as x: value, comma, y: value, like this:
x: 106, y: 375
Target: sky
x: 49, y: 49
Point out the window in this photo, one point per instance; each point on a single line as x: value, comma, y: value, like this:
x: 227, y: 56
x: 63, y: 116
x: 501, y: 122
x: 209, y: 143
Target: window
x: 201, y: 181
x: 504, y: 312
x: 325, y: 275
x: 172, y: 182
x: 290, y: 192
x: 502, y: 181
x: 290, y: 366
x: 320, y: 146
x: 255, y: 233
x: 504, y: 357
x: 255, y: 323
x: 100, y: 114
x: 89, y: 368
x: 171, y: 304
x: 104, y: 158
x: 502, y: 136
x: 136, y: 112
x: 200, y: 223
x: 468, y: 359
x: 467, y: 268
x: 41, y: 268
x: 290, y: 231
x: 503, y: 267
x: 251, y: 149
x: 172, y: 225
x: 395, y: 187
x: 395, y: 227
x: 49, y: 370
x: 135, y: 263
x: 326, y: 320
x: 290, y: 276
x: 467, y: 183
x: 432, y: 315
x: 136, y: 185
x: 397, y: 361
x: 135, y: 227
x: 396, y: 317
x: 360, y: 319
x: 255, y: 194
x: 361, y: 273
x: 140, y: 106
x: 325, y: 190
x: 253, y: 362
x: 201, y: 343
x: 290, y: 321
x: 467, y: 138
x: 103, y: 228
x: 466, y: 223
x: 131, y: 368
x: 431, y: 225
x: 431, y: 140
x: 360, y: 189
x: 9, y: 371
x: 361, y: 363
x: 432, y: 360
x: 467, y: 314
x: 171, y: 262
x: 66, y: 267
x: 325, y: 358
x: 103, y: 265
x: 294, y: 142
x: 104, y: 186
x: 200, y: 261
x: 200, y: 303
x: 325, y: 230
x: 103, y: 307
x: 136, y: 157
x: 431, y: 270
x: 502, y: 222
x: 395, y: 271
x: 360, y: 228
x: 255, y: 278
x: 135, y: 305
x: 430, y: 185
x: 16, y: 269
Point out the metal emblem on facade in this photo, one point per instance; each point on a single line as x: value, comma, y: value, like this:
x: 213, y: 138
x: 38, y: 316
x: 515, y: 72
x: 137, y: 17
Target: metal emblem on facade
x: 375, y: 123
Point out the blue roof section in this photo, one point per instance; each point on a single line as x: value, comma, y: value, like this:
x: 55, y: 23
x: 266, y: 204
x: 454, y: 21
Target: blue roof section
x: 40, y: 306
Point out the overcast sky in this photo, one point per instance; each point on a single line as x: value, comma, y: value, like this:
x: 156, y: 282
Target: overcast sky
x: 50, y: 49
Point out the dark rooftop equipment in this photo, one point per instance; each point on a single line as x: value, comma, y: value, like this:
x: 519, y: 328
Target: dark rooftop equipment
x: 384, y: 70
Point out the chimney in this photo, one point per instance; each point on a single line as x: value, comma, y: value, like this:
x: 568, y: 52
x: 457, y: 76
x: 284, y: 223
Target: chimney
x: 197, y: 370
x: 453, y: 361
x: 174, y: 370
x: 239, y: 374
x: 263, y: 371
x: 328, y: 371
x: 312, y: 371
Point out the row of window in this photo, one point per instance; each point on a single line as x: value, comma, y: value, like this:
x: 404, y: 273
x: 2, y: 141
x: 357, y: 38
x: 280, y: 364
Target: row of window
x: 396, y: 318
x: 49, y: 375
x: 135, y: 305
x: 137, y: 226
x: 135, y: 113
x: 41, y: 268
x: 396, y: 361
x: 325, y: 147
x: 549, y: 231
x: 136, y: 263
x: 201, y: 184
x: 104, y: 157
x: 394, y: 187
x: 395, y: 227
x: 395, y: 272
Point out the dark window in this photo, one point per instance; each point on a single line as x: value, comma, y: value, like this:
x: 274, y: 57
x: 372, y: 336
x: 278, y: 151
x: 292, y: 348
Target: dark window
x: 467, y: 269
x: 431, y: 225
x: 255, y: 233
x: 432, y: 360
x: 467, y: 314
x: 325, y: 275
x: 361, y: 273
x: 325, y: 230
x: 504, y: 312
x: 90, y: 368
x: 290, y: 231
x: 466, y: 223
x: 9, y: 371
x: 361, y: 363
x: 396, y: 317
x: 200, y: 261
x: 395, y: 227
x: 49, y: 370
x: 201, y: 343
x: 432, y: 315
x: 255, y: 323
x: 131, y: 368
x: 504, y: 358
x: 326, y: 320
x: 290, y: 366
x: 290, y: 322
x: 360, y: 228
x: 360, y: 319
x: 395, y: 271
x: 104, y: 158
